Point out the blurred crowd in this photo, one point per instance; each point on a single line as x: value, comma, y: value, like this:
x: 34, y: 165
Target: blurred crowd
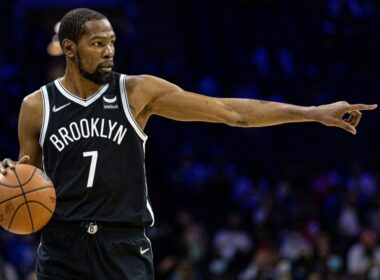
x: 291, y: 202
x: 230, y: 226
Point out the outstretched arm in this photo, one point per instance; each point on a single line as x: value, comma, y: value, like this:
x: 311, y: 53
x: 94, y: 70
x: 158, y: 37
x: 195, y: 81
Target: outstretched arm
x: 169, y: 100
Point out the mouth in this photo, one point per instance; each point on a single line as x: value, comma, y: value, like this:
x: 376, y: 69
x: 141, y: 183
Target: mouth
x: 106, y: 67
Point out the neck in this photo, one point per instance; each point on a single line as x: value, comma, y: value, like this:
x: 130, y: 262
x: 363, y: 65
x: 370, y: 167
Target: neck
x: 74, y: 82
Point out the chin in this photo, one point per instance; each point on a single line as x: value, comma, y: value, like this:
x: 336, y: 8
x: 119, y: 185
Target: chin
x: 107, y: 78
x: 98, y: 77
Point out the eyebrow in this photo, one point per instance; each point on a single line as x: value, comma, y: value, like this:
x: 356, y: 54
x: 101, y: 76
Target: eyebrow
x: 103, y: 37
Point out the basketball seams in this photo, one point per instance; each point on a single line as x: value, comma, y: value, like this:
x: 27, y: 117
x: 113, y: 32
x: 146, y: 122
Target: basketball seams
x: 28, y: 192
x: 20, y: 184
x: 40, y: 203
x: 14, y: 215
x: 26, y: 202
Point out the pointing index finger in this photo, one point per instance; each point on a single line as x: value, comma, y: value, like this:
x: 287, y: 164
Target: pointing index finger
x: 361, y: 107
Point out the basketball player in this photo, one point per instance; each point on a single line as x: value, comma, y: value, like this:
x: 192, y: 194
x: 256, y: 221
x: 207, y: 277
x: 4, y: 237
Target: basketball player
x: 86, y: 131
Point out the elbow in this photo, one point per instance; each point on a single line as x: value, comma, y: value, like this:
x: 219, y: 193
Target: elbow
x: 236, y: 120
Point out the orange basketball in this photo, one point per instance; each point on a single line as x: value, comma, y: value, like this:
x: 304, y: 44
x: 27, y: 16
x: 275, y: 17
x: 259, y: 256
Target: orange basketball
x: 27, y: 199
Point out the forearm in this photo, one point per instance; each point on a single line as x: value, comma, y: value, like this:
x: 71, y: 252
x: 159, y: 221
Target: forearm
x: 257, y: 113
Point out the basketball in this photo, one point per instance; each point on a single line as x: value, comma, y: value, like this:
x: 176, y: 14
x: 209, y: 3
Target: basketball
x: 27, y: 199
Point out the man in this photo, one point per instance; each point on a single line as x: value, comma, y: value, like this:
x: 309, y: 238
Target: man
x: 86, y: 130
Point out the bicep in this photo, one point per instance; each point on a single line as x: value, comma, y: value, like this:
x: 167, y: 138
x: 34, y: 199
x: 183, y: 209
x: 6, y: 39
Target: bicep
x: 172, y: 102
x: 29, y: 125
x: 188, y: 106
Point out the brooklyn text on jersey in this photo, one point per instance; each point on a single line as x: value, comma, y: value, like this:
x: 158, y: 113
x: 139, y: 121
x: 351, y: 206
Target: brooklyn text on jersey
x: 95, y: 127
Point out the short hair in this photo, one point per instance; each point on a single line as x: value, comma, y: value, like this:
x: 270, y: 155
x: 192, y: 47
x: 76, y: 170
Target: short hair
x: 72, y: 24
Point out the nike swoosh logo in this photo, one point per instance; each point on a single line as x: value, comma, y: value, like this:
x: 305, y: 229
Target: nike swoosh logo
x: 109, y: 100
x: 60, y: 108
x: 143, y: 251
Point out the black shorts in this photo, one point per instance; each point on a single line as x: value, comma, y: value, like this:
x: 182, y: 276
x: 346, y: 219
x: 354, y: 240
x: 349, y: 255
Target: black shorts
x: 94, y: 251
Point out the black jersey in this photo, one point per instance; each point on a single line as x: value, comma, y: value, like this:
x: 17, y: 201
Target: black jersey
x: 93, y: 151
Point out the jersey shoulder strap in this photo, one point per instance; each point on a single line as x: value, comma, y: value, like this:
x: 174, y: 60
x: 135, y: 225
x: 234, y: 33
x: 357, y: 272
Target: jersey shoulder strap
x: 127, y: 109
x: 45, y: 111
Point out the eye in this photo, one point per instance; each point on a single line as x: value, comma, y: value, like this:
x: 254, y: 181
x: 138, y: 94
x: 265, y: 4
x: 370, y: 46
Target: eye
x: 98, y: 44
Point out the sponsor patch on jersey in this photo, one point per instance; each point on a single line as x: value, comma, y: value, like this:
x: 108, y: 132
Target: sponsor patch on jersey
x: 109, y: 102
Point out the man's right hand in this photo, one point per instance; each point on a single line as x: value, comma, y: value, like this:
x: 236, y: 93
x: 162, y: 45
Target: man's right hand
x: 11, y: 164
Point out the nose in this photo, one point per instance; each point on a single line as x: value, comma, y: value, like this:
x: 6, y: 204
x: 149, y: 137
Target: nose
x: 109, y: 51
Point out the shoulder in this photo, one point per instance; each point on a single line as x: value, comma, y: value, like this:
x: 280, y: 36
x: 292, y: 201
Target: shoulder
x: 134, y: 82
x: 33, y: 100
x: 147, y: 89
x: 141, y: 89
x: 148, y: 83
x: 31, y: 108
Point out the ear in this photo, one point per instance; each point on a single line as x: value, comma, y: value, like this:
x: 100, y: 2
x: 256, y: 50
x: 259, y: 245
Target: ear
x: 68, y: 48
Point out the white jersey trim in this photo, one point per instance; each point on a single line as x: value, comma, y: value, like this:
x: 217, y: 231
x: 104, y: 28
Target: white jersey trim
x: 139, y: 131
x: 81, y: 101
x: 127, y: 110
x: 150, y: 243
x: 147, y: 200
x: 150, y: 211
x: 45, y: 115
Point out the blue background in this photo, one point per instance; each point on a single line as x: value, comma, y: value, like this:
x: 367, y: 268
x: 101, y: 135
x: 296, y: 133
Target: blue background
x: 268, y: 185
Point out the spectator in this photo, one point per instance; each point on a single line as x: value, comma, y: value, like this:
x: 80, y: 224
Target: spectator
x: 364, y: 256
x: 232, y: 240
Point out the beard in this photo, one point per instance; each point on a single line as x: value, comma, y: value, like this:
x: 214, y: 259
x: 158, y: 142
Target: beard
x: 97, y: 76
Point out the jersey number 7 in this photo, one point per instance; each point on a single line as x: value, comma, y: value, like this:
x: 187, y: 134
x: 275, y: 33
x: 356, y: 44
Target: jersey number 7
x: 94, y: 159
